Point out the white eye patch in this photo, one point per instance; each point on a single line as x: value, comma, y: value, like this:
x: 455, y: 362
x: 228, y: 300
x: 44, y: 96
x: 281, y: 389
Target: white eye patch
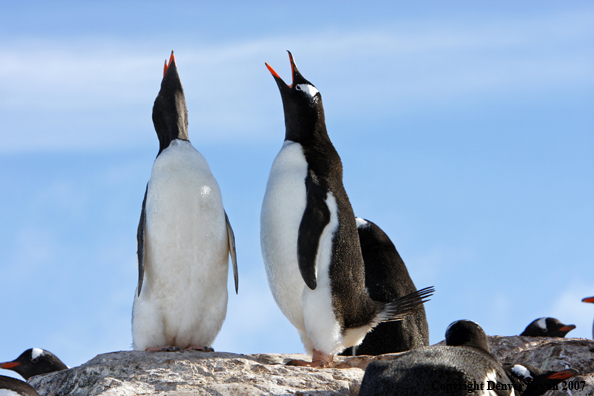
x: 310, y: 90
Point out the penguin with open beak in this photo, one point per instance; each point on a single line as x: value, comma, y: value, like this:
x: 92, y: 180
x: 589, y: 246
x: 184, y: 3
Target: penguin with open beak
x: 309, y: 238
x: 184, y: 238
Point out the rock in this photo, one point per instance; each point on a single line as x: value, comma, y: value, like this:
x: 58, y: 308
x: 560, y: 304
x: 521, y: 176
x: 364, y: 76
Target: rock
x: 131, y: 373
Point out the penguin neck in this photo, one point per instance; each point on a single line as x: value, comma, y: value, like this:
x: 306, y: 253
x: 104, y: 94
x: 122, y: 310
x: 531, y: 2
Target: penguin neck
x: 308, y: 129
x: 170, y: 118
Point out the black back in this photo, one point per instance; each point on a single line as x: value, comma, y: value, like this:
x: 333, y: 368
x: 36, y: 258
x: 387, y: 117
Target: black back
x: 538, y: 381
x: 27, y: 367
x: 170, y: 115
x: 440, y: 370
x: 436, y: 371
x: 18, y: 386
x: 386, y: 278
x: 553, y: 328
x: 305, y: 124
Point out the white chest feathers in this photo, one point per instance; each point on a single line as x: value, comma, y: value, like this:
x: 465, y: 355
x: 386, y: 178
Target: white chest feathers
x: 183, y: 299
x: 282, y: 211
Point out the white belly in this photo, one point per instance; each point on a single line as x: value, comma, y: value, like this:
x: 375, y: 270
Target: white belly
x: 282, y: 210
x: 183, y: 300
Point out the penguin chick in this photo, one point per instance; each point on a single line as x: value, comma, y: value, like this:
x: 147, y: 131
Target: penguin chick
x: 34, y: 361
x: 184, y: 238
x: 309, y: 236
x: 547, y: 327
x: 387, y: 278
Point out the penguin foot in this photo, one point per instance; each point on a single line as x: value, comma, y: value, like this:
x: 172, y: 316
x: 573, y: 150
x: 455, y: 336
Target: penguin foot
x: 319, y: 360
x: 198, y: 348
x: 164, y: 349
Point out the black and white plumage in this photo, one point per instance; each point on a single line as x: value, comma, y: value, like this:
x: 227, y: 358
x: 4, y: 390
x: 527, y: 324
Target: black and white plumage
x: 463, y: 364
x: 590, y: 300
x: 14, y: 387
x: 547, y: 327
x: 34, y: 361
x: 309, y: 236
x: 532, y: 381
x: 184, y: 238
x: 386, y: 278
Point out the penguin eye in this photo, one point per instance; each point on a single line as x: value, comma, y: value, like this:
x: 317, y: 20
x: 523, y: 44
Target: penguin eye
x: 307, y: 89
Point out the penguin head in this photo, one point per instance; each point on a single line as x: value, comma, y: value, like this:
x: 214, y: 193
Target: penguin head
x: 302, y: 103
x: 547, y: 327
x: 531, y: 381
x: 466, y: 333
x: 34, y: 361
x: 170, y: 115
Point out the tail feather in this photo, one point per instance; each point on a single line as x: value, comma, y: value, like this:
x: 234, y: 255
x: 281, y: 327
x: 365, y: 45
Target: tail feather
x: 403, y: 306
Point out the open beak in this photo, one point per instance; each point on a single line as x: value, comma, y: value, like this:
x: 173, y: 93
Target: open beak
x: 296, y: 76
x: 171, y: 59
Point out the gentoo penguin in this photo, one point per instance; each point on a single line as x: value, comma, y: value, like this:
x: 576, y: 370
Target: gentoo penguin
x: 386, y: 278
x: 547, y: 327
x: 14, y: 387
x: 184, y: 238
x: 35, y: 361
x: 590, y: 300
x: 309, y: 236
x: 532, y: 381
x: 459, y: 368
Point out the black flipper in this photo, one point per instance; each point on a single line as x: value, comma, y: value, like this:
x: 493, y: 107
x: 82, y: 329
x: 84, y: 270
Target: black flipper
x: 315, y: 218
x: 231, y: 240
x: 140, y: 241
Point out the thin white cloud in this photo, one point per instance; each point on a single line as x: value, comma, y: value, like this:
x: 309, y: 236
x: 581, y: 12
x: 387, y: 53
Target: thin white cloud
x: 99, y: 93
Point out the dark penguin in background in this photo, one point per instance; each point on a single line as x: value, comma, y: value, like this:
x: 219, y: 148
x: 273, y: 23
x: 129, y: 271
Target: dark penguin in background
x: 184, y: 238
x: 34, y: 361
x: 547, y: 327
x: 13, y: 387
x: 590, y: 300
x: 532, y: 381
x: 309, y: 236
x: 386, y: 278
x: 453, y: 369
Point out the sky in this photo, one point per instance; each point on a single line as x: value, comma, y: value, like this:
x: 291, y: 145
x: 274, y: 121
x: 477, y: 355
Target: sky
x: 466, y: 132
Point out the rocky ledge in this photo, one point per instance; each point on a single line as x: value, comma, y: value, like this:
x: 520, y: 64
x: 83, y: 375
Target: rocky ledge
x: 130, y: 373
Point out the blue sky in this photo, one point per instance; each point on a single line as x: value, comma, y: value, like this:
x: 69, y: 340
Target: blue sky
x: 466, y: 132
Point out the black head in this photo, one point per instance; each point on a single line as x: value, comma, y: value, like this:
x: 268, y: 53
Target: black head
x: 466, y: 333
x: 547, y: 327
x: 170, y: 115
x: 35, y: 361
x: 531, y: 381
x: 302, y: 104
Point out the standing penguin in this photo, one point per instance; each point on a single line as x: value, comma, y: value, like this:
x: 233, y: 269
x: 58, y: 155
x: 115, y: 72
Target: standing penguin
x: 386, y: 279
x: 590, y: 300
x: 309, y: 236
x: 184, y: 238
